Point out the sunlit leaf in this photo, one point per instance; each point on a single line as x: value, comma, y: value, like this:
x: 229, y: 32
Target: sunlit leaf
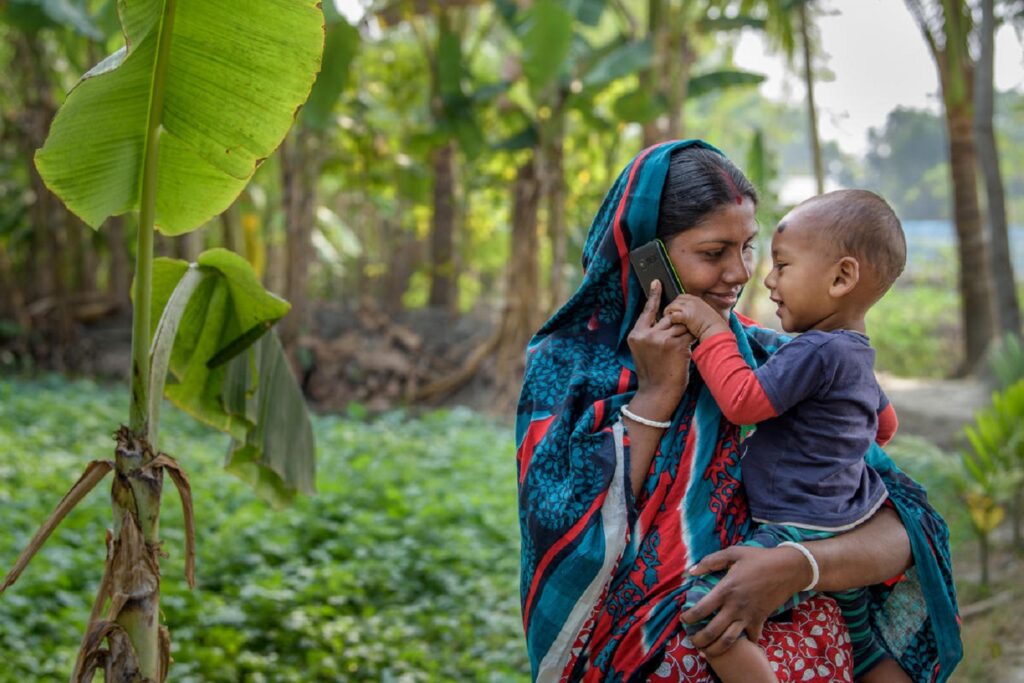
x: 227, y: 90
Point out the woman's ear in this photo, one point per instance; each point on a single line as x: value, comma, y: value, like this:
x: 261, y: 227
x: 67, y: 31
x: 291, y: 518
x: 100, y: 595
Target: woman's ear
x: 846, y: 275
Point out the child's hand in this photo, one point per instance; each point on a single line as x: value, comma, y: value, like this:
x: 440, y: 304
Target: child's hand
x: 702, y: 320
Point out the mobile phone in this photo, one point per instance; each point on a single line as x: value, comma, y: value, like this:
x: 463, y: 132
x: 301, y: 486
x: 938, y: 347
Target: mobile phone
x: 651, y: 262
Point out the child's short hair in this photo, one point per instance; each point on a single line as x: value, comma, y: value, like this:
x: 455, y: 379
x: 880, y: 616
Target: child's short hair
x: 862, y: 224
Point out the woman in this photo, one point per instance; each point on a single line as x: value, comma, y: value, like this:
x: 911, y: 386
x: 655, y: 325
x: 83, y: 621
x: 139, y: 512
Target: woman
x: 613, y: 510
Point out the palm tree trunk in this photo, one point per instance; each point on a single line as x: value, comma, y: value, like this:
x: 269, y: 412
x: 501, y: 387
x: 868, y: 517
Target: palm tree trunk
x: 812, y: 111
x: 1007, y: 305
x: 977, y: 310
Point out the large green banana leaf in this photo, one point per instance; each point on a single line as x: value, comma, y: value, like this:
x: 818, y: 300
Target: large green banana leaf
x: 223, y: 82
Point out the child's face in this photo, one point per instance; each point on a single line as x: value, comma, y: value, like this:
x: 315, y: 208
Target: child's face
x: 803, y: 270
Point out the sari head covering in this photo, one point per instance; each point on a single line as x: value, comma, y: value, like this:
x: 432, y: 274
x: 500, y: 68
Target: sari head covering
x: 603, y: 574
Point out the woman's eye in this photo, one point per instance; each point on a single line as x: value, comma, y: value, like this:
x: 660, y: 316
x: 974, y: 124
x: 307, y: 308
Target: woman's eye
x: 749, y: 246
x: 717, y: 253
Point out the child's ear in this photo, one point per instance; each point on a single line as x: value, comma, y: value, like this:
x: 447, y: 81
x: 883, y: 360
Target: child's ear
x: 846, y: 275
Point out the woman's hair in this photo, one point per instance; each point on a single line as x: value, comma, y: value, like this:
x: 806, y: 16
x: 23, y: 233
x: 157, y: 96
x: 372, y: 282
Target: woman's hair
x: 699, y: 181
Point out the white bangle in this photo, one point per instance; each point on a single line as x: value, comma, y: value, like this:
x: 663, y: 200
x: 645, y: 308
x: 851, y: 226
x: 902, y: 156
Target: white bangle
x: 643, y: 420
x: 810, y: 558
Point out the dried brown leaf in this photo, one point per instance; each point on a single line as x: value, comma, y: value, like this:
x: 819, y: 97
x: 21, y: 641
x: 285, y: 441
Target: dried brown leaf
x: 94, y: 473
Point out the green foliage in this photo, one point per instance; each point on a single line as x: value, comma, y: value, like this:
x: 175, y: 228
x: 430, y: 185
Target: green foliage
x: 272, y: 446
x: 403, y: 567
x: 223, y: 100
x: 546, y: 35
x: 1006, y: 360
x: 914, y: 328
x: 341, y: 45
x: 35, y: 15
x: 940, y: 472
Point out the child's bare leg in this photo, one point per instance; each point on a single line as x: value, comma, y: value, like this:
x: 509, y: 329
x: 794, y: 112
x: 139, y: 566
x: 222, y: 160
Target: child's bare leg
x: 886, y: 671
x: 744, y: 662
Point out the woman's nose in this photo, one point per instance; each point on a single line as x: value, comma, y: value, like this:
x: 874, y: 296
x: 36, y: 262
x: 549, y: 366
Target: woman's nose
x: 738, y: 270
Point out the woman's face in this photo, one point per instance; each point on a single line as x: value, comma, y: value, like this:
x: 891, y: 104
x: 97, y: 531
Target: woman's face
x: 715, y: 259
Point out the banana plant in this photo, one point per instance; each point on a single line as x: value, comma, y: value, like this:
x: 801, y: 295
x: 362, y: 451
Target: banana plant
x: 172, y: 126
x: 993, y: 468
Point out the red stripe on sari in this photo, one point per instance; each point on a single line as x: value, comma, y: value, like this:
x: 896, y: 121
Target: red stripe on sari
x: 620, y: 238
x: 569, y: 536
x: 536, y: 432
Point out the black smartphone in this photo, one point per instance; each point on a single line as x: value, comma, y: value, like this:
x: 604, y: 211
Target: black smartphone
x: 651, y: 262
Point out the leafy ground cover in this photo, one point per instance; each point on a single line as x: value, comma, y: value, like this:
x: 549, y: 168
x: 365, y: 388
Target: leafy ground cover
x: 404, y: 567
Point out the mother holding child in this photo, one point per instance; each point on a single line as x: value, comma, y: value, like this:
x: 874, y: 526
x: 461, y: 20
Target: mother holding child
x: 645, y: 554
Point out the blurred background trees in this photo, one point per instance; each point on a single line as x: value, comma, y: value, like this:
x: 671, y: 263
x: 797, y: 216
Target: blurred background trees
x: 442, y: 177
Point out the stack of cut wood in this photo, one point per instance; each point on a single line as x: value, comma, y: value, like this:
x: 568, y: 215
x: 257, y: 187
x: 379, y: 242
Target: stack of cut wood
x: 372, y: 359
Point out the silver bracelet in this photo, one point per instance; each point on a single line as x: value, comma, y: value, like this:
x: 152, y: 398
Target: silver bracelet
x: 810, y: 558
x: 643, y: 420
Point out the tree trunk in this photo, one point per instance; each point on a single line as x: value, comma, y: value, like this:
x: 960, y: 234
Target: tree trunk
x: 190, y: 245
x: 521, y: 315
x: 812, y: 111
x: 49, y: 253
x: 443, y: 285
x: 653, y: 79
x: 298, y: 182
x: 977, y: 310
x: 1007, y: 305
x: 555, y: 191
x: 231, y: 224
x: 678, y: 61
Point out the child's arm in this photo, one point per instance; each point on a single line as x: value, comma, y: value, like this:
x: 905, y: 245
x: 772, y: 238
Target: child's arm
x: 732, y: 382
x: 887, y: 422
x: 741, y: 392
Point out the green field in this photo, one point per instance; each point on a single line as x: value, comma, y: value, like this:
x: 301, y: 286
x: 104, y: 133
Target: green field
x: 403, y: 568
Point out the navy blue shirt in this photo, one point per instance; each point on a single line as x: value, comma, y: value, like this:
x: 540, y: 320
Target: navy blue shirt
x: 806, y: 467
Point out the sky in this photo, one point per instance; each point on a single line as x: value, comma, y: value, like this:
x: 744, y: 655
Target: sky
x: 877, y: 56
x: 879, y: 61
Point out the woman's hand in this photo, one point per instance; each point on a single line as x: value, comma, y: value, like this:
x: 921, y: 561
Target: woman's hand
x: 661, y: 353
x: 759, y: 581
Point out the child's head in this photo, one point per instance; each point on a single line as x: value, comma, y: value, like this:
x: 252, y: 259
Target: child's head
x: 834, y: 256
